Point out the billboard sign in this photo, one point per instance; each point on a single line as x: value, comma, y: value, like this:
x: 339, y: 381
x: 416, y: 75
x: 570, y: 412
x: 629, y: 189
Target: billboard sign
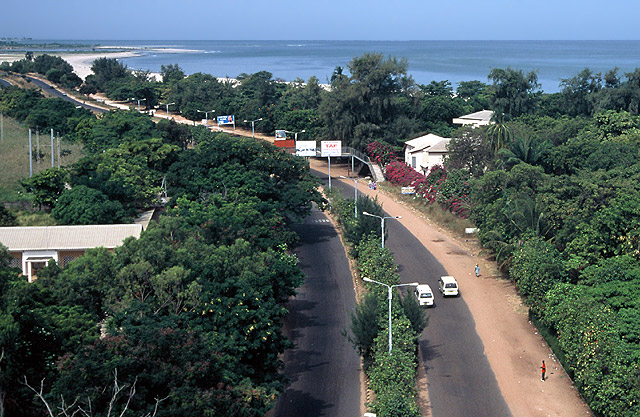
x: 306, y: 148
x: 281, y: 134
x: 226, y: 120
x: 331, y: 148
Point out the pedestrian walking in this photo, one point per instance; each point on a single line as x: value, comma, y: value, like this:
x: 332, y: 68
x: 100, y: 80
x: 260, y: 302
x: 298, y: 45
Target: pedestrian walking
x: 544, y: 370
x: 477, y: 270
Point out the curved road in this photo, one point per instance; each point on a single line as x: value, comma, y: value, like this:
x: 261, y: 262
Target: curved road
x: 460, y: 380
x: 60, y: 94
x: 324, y: 368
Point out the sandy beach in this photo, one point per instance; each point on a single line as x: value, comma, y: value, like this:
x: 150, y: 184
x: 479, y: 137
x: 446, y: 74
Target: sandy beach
x: 80, y: 61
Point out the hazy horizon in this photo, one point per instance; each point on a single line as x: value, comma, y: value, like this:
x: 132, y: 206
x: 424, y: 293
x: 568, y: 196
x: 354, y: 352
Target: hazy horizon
x: 464, y: 20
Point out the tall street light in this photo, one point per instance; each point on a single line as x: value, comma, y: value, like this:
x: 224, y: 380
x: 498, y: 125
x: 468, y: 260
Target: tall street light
x: 138, y: 100
x: 382, y: 218
x: 206, y: 116
x: 355, y: 197
x: 390, y: 288
x: 253, y: 131
x: 295, y: 135
x: 168, y: 104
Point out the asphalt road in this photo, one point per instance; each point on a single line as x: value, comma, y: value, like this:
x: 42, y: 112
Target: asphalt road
x: 324, y: 368
x: 64, y: 96
x: 4, y: 83
x: 460, y: 380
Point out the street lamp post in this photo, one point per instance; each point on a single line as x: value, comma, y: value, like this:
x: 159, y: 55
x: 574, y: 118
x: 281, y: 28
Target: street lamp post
x: 138, y: 100
x: 253, y: 131
x: 355, y: 197
x: 390, y: 289
x: 382, y: 218
x: 206, y: 116
x: 295, y: 135
x: 168, y: 104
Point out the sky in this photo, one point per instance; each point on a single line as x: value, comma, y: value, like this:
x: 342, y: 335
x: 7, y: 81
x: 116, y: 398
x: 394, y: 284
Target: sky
x: 321, y: 20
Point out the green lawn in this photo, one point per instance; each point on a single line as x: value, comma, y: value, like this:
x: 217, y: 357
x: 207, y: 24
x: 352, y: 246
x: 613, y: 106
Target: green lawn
x: 14, y: 157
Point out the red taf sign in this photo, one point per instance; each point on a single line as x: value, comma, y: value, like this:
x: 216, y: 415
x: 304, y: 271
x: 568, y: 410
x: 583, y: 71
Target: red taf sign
x: 331, y: 148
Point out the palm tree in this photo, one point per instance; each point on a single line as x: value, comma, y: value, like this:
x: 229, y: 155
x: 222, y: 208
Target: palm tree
x: 499, y: 133
x: 524, y: 149
x: 525, y: 216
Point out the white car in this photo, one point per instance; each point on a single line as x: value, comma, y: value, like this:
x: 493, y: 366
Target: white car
x: 424, y: 295
x: 448, y: 286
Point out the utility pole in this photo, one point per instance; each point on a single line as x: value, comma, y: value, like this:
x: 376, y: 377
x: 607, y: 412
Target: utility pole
x: 30, y: 156
x: 52, y: 153
x: 58, y: 141
x: 38, y: 149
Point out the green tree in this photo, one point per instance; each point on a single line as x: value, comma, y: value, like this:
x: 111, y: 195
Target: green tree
x: 84, y: 205
x: 536, y: 268
x: 364, y: 325
x: 369, y: 97
x: 524, y: 149
x: 105, y: 70
x: 415, y: 313
x: 6, y: 217
x: 171, y: 73
x: 46, y: 186
x: 499, y: 132
x: 514, y: 92
x: 579, y: 92
x: 474, y: 93
x: 471, y: 151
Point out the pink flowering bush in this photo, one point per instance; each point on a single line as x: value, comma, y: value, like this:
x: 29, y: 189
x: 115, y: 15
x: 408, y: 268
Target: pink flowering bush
x: 450, y: 191
x: 380, y: 152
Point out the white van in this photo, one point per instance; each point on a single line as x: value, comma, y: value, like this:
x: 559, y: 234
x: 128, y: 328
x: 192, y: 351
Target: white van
x: 424, y: 295
x: 448, y: 286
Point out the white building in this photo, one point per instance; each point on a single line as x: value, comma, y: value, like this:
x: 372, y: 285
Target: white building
x: 479, y: 118
x: 426, y: 151
x: 31, y: 248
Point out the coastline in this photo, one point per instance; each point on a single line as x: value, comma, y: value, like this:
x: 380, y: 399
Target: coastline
x: 80, y: 61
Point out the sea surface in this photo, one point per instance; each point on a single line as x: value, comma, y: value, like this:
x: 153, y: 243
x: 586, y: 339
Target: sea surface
x: 454, y: 61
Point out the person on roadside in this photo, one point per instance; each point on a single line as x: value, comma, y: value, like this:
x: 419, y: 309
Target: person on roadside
x: 544, y: 370
x: 477, y: 269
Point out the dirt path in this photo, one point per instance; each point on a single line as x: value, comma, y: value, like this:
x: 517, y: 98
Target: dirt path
x: 513, y: 347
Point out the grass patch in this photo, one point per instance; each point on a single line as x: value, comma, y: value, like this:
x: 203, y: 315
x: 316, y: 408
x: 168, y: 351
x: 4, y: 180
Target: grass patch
x: 434, y: 212
x: 14, y: 157
x: 35, y: 218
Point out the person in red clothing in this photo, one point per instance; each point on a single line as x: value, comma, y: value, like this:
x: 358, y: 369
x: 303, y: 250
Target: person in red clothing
x: 544, y: 370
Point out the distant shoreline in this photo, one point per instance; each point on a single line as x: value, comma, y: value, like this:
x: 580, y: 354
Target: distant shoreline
x: 80, y: 61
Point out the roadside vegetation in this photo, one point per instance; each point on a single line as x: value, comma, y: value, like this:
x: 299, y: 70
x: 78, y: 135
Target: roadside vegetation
x: 391, y: 375
x: 187, y: 318
x: 552, y: 186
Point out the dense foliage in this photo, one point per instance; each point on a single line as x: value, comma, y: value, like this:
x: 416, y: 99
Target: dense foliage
x: 556, y: 201
x: 190, y: 313
x: 392, y: 375
x: 552, y: 185
x: 54, y: 68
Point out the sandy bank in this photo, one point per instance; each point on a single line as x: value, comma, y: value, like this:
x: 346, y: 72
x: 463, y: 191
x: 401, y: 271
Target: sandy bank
x: 80, y: 61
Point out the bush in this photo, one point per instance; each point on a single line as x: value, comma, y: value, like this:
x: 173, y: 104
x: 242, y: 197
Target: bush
x: 536, y: 267
x: 380, y: 152
x: 84, y: 205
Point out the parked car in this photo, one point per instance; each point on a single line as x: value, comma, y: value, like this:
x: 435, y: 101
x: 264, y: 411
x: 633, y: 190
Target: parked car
x: 424, y: 295
x: 448, y: 286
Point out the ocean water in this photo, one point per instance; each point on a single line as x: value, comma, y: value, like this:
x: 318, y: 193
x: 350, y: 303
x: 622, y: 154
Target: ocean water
x: 428, y: 61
